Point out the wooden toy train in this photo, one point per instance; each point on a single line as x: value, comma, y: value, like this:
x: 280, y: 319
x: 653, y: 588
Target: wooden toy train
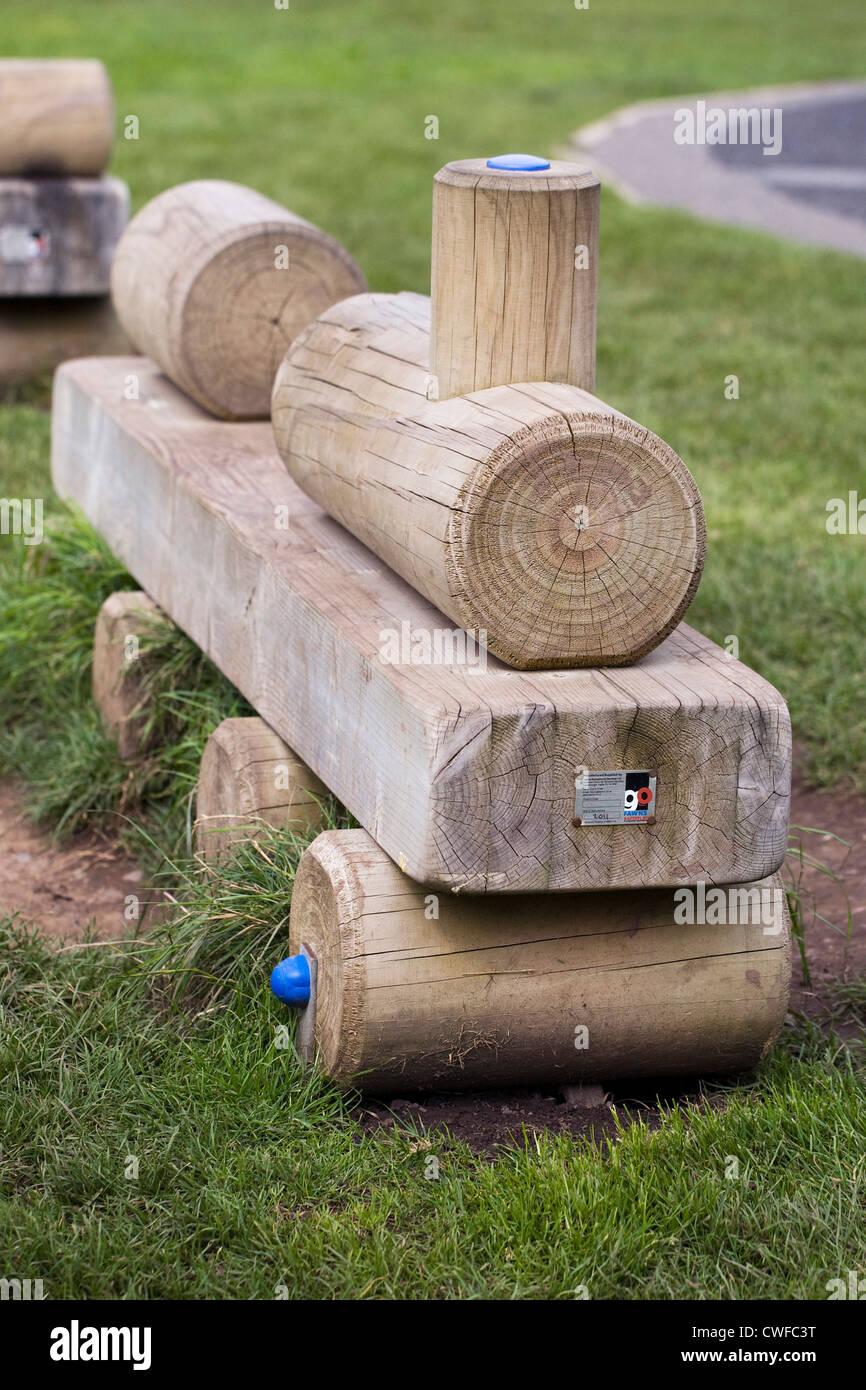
x: 450, y: 580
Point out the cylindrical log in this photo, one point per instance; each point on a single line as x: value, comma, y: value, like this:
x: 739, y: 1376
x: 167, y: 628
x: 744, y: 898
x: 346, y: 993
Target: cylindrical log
x: 123, y: 620
x: 213, y: 281
x: 56, y: 116
x: 249, y: 778
x: 513, y: 275
x: 558, y: 530
x: 419, y: 991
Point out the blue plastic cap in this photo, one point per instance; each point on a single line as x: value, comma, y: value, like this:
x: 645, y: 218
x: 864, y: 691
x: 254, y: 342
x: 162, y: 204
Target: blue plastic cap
x: 290, y: 981
x: 518, y: 163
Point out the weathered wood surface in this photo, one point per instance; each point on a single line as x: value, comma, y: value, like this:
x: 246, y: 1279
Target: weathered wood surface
x: 513, y: 276
x: 123, y: 623
x: 38, y: 334
x: 563, y: 988
x: 468, y: 774
x: 250, y: 779
x: 214, y: 281
x: 56, y: 117
x: 58, y: 236
x: 535, y: 513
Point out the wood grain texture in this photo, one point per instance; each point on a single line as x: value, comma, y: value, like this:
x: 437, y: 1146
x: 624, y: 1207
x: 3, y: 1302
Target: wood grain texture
x: 58, y: 236
x: 249, y: 779
x: 468, y: 773
x: 535, y: 513
x: 38, y: 334
x: 56, y: 117
x: 514, y: 295
x: 214, y: 281
x: 483, y: 997
x: 118, y: 668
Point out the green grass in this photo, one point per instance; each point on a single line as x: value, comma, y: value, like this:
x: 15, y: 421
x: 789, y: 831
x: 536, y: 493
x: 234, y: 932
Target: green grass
x: 251, y: 1173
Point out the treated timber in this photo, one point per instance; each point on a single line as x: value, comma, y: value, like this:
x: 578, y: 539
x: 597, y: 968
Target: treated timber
x: 464, y: 776
x: 125, y: 620
x: 564, y: 531
x: 56, y: 117
x: 213, y: 281
x: 249, y: 780
x: 513, y: 273
x: 58, y: 236
x: 414, y: 991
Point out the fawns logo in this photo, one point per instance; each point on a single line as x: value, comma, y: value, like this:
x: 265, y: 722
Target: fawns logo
x: 77, y: 1343
x: 639, y: 796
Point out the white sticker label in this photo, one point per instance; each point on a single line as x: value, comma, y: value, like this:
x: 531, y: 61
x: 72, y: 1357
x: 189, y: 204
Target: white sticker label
x: 18, y: 245
x: 614, y: 798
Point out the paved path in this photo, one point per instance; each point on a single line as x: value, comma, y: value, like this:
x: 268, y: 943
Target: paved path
x: 813, y: 190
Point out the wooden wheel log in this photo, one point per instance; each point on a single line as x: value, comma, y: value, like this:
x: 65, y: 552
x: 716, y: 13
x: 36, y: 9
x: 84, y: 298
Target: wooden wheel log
x: 573, y: 988
x: 56, y: 117
x: 250, y: 778
x: 123, y: 620
x: 214, y: 281
x: 58, y: 236
x: 513, y: 275
x: 536, y: 513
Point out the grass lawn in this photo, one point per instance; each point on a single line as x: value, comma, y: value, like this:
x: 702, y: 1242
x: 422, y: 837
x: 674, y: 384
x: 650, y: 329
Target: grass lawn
x: 250, y: 1175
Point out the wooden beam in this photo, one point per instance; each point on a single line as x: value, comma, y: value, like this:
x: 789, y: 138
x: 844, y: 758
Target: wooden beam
x: 56, y: 117
x: 416, y: 991
x: 58, y: 236
x: 462, y: 772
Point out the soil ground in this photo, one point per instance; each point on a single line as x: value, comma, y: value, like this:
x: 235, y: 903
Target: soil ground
x: 86, y: 883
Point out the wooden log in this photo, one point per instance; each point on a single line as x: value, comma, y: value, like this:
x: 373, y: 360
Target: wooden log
x: 460, y: 768
x: 534, y: 514
x: 214, y: 282
x: 56, y: 117
x: 249, y: 779
x: 58, y: 236
x: 124, y: 619
x: 415, y: 992
x: 513, y: 276
x: 36, y: 335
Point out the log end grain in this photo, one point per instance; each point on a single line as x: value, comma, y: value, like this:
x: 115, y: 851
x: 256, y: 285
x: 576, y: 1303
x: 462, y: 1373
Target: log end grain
x: 579, y: 542
x: 56, y: 117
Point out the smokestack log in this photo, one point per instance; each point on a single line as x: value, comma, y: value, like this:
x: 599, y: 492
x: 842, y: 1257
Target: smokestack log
x: 514, y: 273
x: 214, y: 281
x: 56, y: 117
x: 420, y: 991
x: 534, y: 513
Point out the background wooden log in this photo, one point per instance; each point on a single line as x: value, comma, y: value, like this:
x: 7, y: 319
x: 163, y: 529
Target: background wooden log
x: 214, y: 282
x: 36, y: 335
x: 123, y: 620
x: 58, y: 236
x: 513, y: 276
x: 56, y: 117
x: 462, y: 769
x: 479, y: 996
x: 569, y: 534
x: 249, y: 778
